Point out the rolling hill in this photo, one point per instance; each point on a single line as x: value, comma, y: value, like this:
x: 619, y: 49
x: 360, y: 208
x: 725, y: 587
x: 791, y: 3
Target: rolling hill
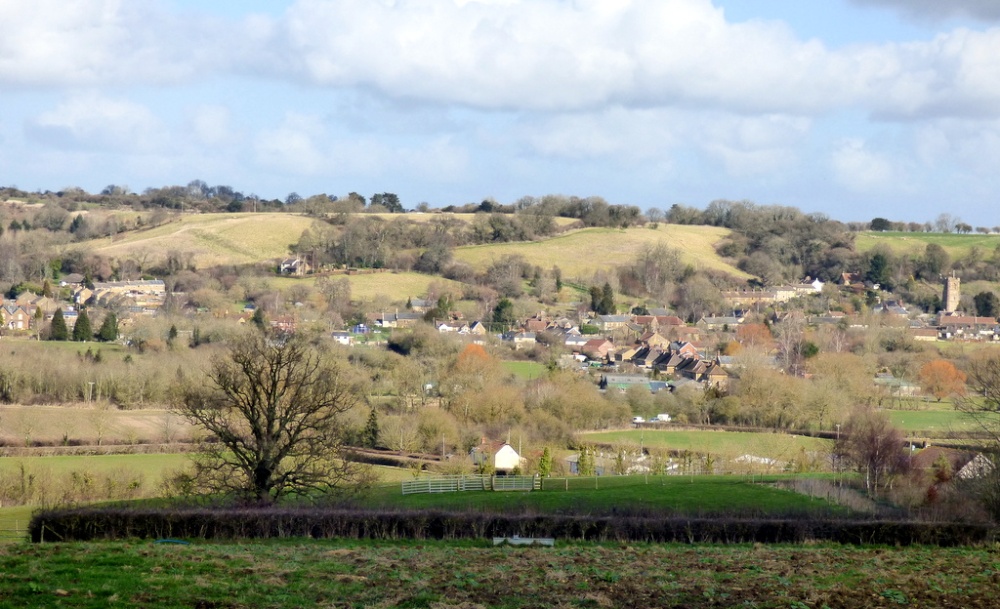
x: 579, y: 253
x: 209, y: 239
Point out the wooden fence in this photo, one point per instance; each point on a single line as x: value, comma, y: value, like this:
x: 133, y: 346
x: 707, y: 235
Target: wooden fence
x: 457, y: 484
x: 13, y: 530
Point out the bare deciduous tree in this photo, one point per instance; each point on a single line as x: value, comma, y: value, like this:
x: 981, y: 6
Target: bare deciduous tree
x: 874, y: 447
x: 274, y: 403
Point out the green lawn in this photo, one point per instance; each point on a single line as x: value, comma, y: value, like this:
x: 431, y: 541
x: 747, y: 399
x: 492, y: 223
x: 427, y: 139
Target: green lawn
x: 525, y: 370
x: 690, y: 495
x: 782, y: 447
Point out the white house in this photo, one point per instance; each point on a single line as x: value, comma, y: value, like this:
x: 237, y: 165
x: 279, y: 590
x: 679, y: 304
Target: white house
x: 501, y: 455
x: 343, y: 338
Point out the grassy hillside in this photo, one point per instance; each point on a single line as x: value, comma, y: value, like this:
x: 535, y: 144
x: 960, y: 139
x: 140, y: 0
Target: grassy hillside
x: 211, y: 239
x: 392, y: 285
x: 580, y: 252
x: 956, y: 245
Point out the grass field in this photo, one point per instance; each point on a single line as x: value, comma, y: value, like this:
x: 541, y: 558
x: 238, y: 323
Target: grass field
x: 931, y: 421
x: 525, y: 370
x: 397, y: 287
x: 956, y: 245
x: 150, y: 466
x: 576, y: 255
x: 473, y: 575
x: 691, y: 496
x: 211, y: 239
x: 49, y: 424
x: 782, y: 447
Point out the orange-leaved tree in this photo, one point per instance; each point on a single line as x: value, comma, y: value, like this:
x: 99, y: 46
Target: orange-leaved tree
x: 940, y: 378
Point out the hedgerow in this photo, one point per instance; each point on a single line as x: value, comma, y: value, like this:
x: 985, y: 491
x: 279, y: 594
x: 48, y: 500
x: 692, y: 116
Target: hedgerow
x: 87, y: 524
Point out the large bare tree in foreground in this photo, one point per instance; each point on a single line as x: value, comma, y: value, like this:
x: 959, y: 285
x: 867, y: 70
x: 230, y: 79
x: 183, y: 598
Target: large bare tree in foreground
x: 275, y: 405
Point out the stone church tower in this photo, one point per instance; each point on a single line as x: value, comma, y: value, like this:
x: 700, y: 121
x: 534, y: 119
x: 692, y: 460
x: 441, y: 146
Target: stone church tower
x: 952, y: 294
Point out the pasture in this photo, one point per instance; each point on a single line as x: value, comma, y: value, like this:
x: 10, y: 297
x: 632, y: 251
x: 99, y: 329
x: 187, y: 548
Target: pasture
x: 84, y: 423
x: 931, y: 422
x: 576, y: 255
x: 470, y: 574
x: 726, y: 444
x: 525, y: 371
x: 394, y: 286
x: 687, y: 495
x: 209, y: 239
x: 914, y: 244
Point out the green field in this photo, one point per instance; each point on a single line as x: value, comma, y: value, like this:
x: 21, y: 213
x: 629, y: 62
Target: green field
x: 397, y: 287
x: 525, y: 370
x: 474, y: 575
x: 150, y: 466
x: 576, y: 255
x: 955, y: 244
x: 782, y: 447
x: 688, y: 495
x: 931, y: 421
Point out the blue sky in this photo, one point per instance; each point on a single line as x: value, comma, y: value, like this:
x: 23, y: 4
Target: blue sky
x: 853, y: 108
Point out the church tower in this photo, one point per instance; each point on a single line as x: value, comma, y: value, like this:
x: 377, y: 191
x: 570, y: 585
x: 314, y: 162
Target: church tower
x: 952, y: 294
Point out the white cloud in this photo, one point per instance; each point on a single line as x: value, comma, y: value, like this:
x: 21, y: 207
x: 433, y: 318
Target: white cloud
x: 210, y: 124
x: 94, y: 122
x: 860, y: 169
x: 293, y: 147
x: 520, y: 55
x: 987, y: 10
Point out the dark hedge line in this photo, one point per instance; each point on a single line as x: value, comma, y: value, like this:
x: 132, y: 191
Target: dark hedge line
x: 86, y: 524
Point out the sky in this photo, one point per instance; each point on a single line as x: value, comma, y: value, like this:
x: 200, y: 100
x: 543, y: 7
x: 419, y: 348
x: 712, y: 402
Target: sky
x: 851, y: 108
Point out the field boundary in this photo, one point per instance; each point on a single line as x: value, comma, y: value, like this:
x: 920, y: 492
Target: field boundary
x: 13, y: 530
x: 458, y: 484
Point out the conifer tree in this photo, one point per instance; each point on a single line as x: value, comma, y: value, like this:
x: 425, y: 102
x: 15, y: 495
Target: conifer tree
x: 82, y: 330
x: 371, y: 430
x: 57, y: 329
x: 109, y: 328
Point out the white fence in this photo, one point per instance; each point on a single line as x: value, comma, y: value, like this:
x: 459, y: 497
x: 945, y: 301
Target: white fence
x: 457, y: 484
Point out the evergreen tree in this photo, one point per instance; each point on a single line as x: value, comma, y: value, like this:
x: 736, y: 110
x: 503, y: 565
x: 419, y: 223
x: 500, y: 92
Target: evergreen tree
x: 607, y: 300
x: 109, y: 328
x: 370, y: 438
x: 172, y: 335
x: 57, y: 329
x: 595, y: 298
x: 545, y: 463
x: 503, y: 313
x: 585, y: 465
x: 258, y: 318
x: 82, y: 330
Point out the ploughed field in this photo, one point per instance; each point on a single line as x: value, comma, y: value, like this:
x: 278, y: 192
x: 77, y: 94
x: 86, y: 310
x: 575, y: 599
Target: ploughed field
x: 468, y: 575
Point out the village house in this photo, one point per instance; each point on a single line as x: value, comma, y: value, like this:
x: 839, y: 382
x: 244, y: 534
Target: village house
x: 967, y: 327
x: 15, y: 317
x: 521, y: 340
x: 609, y: 323
x: 343, y: 337
x: 293, y: 266
x: 452, y: 327
x: 598, y: 349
